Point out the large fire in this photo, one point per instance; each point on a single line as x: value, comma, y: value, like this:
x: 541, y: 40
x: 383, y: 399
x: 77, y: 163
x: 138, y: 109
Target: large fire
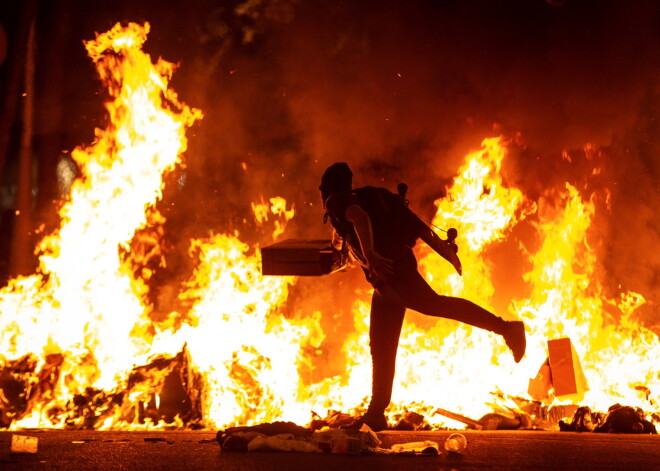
x: 81, y: 346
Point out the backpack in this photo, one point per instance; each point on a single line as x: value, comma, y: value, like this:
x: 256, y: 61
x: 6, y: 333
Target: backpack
x: 391, y: 219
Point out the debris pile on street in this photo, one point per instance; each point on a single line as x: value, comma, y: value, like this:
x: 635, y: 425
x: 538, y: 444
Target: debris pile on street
x: 533, y: 415
x: 619, y: 419
x: 23, y: 384
x: 289, y: 437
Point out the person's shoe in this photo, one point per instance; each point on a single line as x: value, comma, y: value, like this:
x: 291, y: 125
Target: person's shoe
x: 515, y: 339
x: 376, y: 422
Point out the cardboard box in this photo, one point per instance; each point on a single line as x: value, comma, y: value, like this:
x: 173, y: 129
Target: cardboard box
x: 300, y: 257
x: 540, y: 387
x: 567, y: 374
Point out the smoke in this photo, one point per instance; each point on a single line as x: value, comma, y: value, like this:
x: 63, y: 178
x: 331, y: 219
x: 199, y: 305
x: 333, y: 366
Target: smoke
x: 632, y: 260
x: 403, y: 91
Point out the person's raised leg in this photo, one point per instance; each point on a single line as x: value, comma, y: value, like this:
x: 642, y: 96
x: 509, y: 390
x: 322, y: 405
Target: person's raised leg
x: 416, y: 293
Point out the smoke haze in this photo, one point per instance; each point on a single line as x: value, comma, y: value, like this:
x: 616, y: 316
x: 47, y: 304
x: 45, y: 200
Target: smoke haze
x: 403, y: 91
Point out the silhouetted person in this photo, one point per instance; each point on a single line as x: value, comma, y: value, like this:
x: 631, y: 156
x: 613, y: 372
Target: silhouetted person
x: 380, y: 232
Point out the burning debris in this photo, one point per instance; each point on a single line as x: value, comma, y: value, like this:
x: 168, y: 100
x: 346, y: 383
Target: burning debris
x: 341, y: 439
x: 560, y: 376
x: 338, y: 434
x: 533, y: 415
x: 619, y: 419
x: 163, y: 392
x: 23, y: 388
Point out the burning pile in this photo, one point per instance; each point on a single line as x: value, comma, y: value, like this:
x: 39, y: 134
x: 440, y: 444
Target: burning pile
x: 72, y: 334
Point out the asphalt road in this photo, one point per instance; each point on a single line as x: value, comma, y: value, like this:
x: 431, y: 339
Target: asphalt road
x: 198, y: 450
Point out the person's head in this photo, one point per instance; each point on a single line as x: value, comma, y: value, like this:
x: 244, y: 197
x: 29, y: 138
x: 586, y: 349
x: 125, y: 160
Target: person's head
x: 337, y: 177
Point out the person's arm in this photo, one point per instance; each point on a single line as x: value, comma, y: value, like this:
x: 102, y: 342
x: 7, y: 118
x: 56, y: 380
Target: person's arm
x: 337, y: 241
x: 378, y: 266
x: 442, y: 247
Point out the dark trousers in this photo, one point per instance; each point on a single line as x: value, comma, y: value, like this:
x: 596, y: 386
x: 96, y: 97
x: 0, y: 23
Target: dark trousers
x: 406, y: 288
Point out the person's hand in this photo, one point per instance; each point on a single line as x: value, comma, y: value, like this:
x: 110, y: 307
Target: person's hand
x: 337, y: 241
x: 379, y: 267
x: 448, y: 251
x: 455, y: 261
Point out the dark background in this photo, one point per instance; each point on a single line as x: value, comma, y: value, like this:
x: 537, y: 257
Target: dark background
x: 402, y: 90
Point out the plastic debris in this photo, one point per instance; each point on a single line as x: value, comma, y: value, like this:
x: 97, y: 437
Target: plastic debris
x: 282, y: 442
x: 455, y: 443
x: 347, y: 441
x: 346, y: 446
x: 426, y: 447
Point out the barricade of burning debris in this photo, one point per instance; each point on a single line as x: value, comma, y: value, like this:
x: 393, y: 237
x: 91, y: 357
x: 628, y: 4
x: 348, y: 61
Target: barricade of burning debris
x: 335, y: 435
x: 533, y: 415
x: 164, y: 392
x: 560, y: 376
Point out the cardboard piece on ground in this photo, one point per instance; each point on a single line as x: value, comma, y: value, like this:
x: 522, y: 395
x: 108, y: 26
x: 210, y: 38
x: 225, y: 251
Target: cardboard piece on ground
x: 540, y: 387
x: 24, y: 444
x: 471, y: 423
x: 567, y: 375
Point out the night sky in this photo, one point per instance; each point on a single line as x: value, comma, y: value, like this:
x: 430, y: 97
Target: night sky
x: 402, y: 90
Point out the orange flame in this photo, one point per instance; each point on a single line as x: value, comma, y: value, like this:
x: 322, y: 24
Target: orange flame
x: 86, y: 305
x: 84, y: 301
x: 619, y: 357
x: 566, y: 300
